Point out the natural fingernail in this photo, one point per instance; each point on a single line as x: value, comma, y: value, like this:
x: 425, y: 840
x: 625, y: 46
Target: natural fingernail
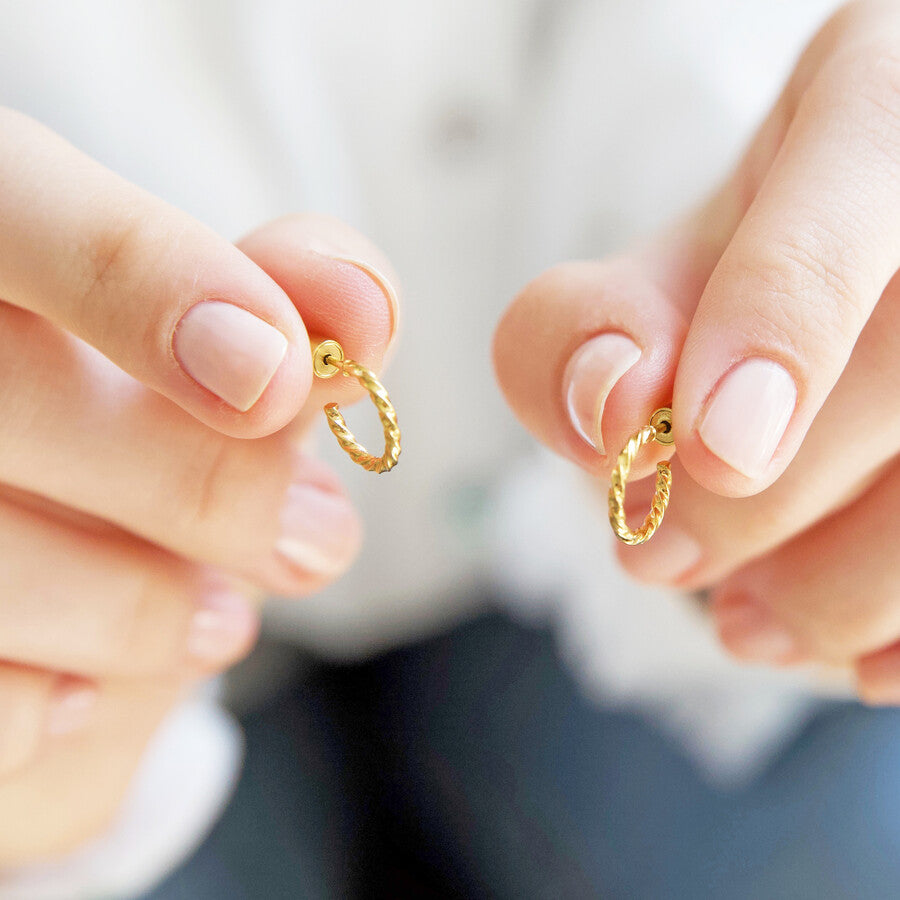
x: 228, y: 350
x: 71, y: 707
x: 671, y: 555
x: 222, y: 628
x: 748, y: 415
x: 318, y: 528
x: 749, y: 630
x: 590, y: 376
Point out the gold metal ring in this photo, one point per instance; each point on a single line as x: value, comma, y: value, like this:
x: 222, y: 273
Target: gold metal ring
x: 659, y: 430
x: 328, y: 360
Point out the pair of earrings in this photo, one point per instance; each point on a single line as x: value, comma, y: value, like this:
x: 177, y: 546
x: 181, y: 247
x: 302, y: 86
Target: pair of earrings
x: 329, y: 360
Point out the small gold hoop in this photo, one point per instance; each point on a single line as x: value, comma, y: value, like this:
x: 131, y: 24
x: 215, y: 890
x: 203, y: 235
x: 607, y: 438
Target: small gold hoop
x: 328, y: 360
x: 659, y: 430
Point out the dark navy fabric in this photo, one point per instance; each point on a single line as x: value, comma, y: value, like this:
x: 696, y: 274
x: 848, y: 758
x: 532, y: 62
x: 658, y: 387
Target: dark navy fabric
x: 471, y: 765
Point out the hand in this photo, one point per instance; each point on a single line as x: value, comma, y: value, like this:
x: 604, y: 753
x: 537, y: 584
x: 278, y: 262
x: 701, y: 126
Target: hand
x: 139, y: 352
x: 770, y: 321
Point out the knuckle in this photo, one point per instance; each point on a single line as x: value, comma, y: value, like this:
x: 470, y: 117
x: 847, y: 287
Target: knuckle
x: 844, y: 631
x: 144, y: 630
x: 114, y: 261
x: 226, y: 499
x: 205, y: 489
x: 865, y: 76
x: 109, y: 258
x: 879, y: 82
x: 807, y: 295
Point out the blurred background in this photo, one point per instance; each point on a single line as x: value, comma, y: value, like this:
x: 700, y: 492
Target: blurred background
x: 484, y: 706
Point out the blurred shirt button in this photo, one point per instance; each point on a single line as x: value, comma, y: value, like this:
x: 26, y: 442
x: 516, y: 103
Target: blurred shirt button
x: 459, y: 133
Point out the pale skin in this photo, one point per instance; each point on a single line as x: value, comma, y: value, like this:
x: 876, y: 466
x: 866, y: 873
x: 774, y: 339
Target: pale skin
x: 138, y: 524
x: 793, y: 263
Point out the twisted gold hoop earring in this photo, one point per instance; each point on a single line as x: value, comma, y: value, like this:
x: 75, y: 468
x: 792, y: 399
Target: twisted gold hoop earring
x: 328, y: 360
x: 659, y: 430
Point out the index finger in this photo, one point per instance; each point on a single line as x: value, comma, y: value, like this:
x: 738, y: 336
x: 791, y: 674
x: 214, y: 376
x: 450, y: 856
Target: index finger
x: 783, y: 310
x: 164, y: 297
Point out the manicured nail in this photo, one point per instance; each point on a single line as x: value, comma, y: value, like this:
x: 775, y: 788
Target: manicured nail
x: 749, y: 630
x: 315, y: 525
x: 229, y: 351
x: 670, y: 555
x: 71, y: 706
x: 748, y: 414
x: 222, y: 628
x: 591, y: 374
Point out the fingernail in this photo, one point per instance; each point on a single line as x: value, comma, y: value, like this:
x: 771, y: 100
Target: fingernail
x: 749, y: 630
x: 71, y: 707
x: 318, y: 528
x: 748, y: 415
x: 384, y: 286
x: 228, y: 350
x: 222, y: 628
x: 591, y: 374
x: 668, y: 557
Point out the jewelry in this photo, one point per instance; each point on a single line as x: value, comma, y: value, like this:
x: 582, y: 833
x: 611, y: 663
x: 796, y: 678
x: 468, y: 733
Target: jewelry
x: 659, y: 430
x: 328, y: 360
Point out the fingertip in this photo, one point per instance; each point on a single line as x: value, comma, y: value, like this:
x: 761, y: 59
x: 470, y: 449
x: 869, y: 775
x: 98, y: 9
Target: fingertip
x: 341, y: 284
x: 278, y: 402
x: 735, y: 442
x: 237, y: 348
x: 749, y: 630
x: 320, y: 534
x: 585, y: 354
x: 230, y: 351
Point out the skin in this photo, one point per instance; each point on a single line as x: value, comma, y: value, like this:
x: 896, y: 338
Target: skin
x: 793, y: 260
x: 129, y: 493
x: 130, y: 496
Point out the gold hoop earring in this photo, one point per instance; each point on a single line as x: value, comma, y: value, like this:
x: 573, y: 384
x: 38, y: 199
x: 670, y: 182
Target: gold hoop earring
x: 328, y: 361
x: 659, y: 430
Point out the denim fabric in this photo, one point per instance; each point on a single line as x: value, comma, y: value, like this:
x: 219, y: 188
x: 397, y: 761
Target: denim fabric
x: 470, y: 765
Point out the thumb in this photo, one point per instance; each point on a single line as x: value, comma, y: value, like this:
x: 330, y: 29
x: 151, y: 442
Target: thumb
x: 585, y: 354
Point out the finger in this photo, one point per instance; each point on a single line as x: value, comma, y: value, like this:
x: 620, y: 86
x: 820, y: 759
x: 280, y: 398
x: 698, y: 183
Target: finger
x: 816, y: 597
x: 35, y: 707
x: 585, y: 354
x: 343, y: 287
x: 856, y: 433
x: 108, y: 605
x: 161, y: 295
x: 797, y: 283
x: 878, y: 676
x: 80, y: 432
x: 72, y: 790
x: 582, y: 397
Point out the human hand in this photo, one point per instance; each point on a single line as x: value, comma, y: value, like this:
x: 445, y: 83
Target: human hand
x: 139, y: 352
x: 770, y: 321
